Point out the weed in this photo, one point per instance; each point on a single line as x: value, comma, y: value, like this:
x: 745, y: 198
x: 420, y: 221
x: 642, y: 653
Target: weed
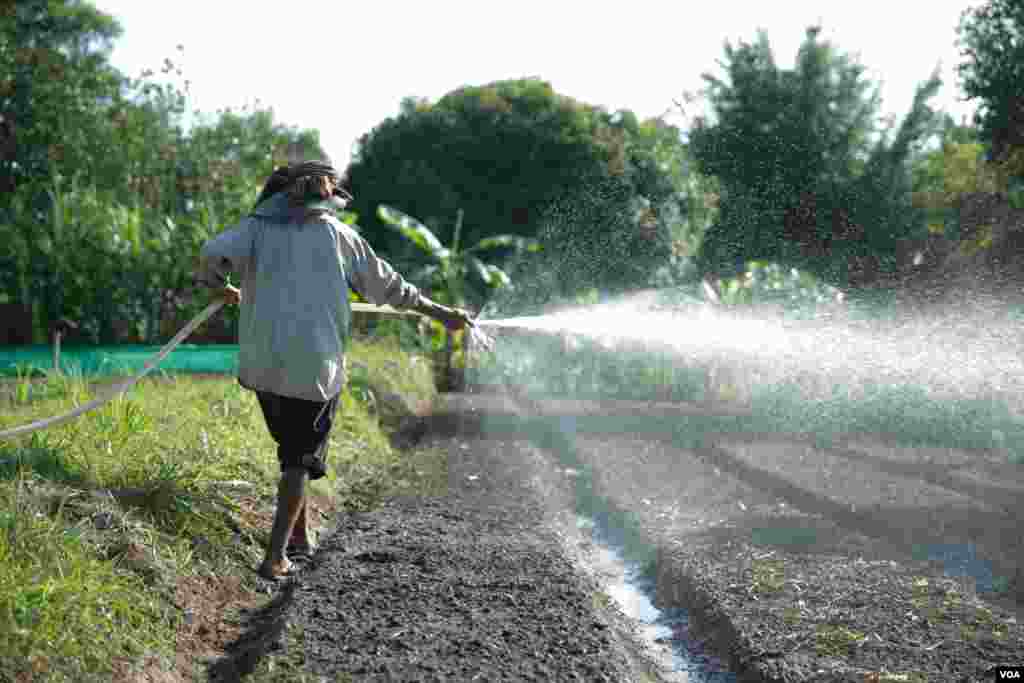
x: 836, y: 641
x: 23, y: 391
x: 951, y: 600
x: 40, y: 458
x: 919, y: 592
x: 983, y: 615
x: 769, y: 576
x: 914, y: 677
x: 984, y: 619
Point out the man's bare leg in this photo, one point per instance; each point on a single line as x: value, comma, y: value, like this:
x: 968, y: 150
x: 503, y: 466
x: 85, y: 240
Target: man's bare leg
x: 302, y: 537
x: 290, y: 497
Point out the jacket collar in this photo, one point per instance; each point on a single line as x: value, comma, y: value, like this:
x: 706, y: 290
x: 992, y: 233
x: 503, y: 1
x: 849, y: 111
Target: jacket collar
x: 278, y: 207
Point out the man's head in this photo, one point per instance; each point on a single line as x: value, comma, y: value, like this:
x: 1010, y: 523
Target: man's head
x: 310, y: 180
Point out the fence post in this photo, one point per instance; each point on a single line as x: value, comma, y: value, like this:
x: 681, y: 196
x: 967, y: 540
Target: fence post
x: 56, y: 352
x: 59, y: 329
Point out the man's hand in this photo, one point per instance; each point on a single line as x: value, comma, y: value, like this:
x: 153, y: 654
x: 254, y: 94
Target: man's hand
x: 453, y: 318
x: 231, y: 295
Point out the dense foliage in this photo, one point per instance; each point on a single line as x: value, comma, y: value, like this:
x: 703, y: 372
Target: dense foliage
x: 991, y: 37
x: 944, y: 176
x: 808, y: 175
x: 520, y: 159
x: 107, y: 198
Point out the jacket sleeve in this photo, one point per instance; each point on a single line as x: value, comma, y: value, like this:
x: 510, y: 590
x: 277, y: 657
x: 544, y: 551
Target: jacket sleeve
x: 372, y: 276
x: 228, y: 252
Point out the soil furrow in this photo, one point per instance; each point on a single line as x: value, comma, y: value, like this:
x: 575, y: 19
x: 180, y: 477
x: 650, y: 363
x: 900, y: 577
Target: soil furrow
x: 475, y: 585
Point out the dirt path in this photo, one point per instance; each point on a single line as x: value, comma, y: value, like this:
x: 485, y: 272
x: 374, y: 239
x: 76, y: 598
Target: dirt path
x: 469, y: 587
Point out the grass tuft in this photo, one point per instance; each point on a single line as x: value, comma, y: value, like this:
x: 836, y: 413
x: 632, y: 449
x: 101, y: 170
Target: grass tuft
x: 63, y: 609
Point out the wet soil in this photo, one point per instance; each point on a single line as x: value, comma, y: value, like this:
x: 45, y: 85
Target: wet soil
x: 801, y: 561
x: 800, y: 588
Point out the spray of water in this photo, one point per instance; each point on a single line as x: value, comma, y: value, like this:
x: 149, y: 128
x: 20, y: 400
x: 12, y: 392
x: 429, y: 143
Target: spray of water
x: 960, y: 353
x: 478, y: 340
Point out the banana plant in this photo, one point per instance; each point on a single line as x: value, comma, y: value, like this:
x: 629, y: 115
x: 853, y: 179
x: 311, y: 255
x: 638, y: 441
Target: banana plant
x: 450, y: 267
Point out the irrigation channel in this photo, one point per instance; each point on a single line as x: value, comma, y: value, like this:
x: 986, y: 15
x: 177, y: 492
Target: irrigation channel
x: 609, y: 542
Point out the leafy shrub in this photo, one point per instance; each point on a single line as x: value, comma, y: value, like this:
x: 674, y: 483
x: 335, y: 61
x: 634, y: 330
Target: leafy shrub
x: 772, y: 283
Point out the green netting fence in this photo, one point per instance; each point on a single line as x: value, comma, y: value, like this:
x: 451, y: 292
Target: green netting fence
x: 119, y: 360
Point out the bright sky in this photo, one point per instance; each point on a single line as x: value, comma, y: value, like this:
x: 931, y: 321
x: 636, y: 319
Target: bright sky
x: 345, y: 67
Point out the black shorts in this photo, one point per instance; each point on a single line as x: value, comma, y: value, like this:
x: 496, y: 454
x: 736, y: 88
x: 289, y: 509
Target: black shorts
x: 300, y: 429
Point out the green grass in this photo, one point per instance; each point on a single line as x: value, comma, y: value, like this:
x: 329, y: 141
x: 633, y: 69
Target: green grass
x: 87, y: 579
x: 65, y: 611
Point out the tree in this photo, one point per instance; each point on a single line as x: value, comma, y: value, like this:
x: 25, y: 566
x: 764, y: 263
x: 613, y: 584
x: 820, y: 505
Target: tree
x: 54, y: 69
x: 943, y: 177
x: 807, y: 174
x: 512, y: 155
x: 991, y: 37
x: 605, y: 236
x: 107, y: 199
x: 972, y: 224
x: 53, y: 73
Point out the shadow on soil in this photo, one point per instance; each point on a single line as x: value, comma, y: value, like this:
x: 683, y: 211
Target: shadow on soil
x: 264, y: 634
x: 265, y: 630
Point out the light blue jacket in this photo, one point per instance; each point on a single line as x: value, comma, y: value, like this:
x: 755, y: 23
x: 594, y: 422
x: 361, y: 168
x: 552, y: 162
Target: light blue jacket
x: 295, y: 267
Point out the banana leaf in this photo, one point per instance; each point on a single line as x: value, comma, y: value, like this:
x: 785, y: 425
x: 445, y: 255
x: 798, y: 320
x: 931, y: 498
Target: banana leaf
x: 496, y: 241
x: 420, y: 234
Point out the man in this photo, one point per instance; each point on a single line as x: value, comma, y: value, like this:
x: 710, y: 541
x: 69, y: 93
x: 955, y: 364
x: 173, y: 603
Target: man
x: 296, y: 263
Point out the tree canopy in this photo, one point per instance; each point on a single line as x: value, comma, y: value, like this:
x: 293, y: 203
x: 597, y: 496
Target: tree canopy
x: 106, y: 197
x: 808, y: 174
x: 520, y: 159
x: 991, y: 38
x: 53, y: 72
